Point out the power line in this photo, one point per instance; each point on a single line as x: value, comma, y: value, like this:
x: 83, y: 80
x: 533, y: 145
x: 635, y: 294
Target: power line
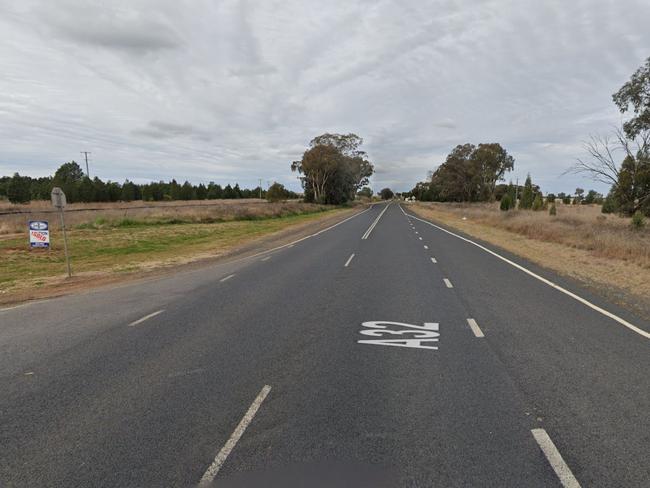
x: 86, y: 153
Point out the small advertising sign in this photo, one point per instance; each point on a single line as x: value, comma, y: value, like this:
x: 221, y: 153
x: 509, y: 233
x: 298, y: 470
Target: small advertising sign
x: 39, y: 233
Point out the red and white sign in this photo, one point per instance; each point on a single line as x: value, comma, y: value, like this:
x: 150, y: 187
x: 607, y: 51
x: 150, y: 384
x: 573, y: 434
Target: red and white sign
x: 39, y: 234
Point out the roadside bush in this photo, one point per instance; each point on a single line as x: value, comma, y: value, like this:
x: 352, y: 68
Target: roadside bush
x: 506, y: 203
x: 538, y: 204
x: 552, y: 211
x: 276, y: 192
x: 638, y: 220
x: 609, y: 205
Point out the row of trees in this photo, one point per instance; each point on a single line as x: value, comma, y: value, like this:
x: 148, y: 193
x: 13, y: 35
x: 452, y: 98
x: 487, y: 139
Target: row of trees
x: 622, y: 160
x: 469, y: 174
x: 333, y: 169
x: 79, y: 188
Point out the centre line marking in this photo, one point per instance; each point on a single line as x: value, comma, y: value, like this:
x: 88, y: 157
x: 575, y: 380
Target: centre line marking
x: 349, y: 259
x: 475, y: 328
x: 448, y: 283
x: 266, y: 258
x: 433, y: 260
x: 426, y: 247
x: 372, y: 226
x: 554, y: 458
x: 227, y: 278
x: 146, y: 317
x: 221, y: 457
x: 420, y: 238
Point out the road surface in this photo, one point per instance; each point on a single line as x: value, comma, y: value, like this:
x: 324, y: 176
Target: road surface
x: 384, y: 351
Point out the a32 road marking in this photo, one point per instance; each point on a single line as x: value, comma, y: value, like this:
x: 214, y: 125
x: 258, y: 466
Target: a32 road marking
x: 413, y: 336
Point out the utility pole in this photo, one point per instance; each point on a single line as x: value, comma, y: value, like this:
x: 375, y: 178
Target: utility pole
x: 516, y: 191
x: 260, y: 188
x: 86, y: 153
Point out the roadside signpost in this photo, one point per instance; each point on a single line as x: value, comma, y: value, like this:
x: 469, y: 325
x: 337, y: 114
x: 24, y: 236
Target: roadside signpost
x: 39, y: 234
x: 59, y: 202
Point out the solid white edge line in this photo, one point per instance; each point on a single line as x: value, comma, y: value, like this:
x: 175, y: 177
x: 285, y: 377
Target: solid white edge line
x: 265, y: 258
x: 348, y: 261
x: 598, y: 309
x: 227, y: 278
x: 475, y: 328
x: 554, y: 458
x: 433, y: 260
x: 374, y: 224
x: 448, y: 283
x: 146, y: 317
x: 221, y: 457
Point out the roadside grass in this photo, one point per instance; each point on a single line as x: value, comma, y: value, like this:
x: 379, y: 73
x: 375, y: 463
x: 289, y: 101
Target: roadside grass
x: 125, y: 246
x: 580, y: 242
x: 126, y: 214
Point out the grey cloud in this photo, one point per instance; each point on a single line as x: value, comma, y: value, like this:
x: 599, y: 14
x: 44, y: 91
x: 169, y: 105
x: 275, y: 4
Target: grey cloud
x: 111, y: 26
x: 234, y: 90
x: 165, y: 130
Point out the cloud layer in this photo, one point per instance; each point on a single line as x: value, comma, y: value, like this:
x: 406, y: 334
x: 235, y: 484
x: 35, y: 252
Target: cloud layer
x: 234, y: 90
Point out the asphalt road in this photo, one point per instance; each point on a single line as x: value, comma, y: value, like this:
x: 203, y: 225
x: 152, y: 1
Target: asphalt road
x: 377, y: 353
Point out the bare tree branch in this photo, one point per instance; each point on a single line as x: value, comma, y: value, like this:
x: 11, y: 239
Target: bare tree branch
x: 602, y: 163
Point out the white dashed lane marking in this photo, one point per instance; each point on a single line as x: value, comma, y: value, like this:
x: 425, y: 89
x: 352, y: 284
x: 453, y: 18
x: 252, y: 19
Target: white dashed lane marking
x: 146, y: 317
x: 221, y: 457
x: 475, y: 328
x: 554, y: 458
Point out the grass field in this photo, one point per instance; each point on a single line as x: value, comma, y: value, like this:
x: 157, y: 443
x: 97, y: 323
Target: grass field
x: 580, y: 242
x: 13, y: 218
x: 101, y: 245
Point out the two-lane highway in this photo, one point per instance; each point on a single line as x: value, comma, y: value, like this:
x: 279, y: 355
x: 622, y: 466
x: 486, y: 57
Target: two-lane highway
x: 384, y: 350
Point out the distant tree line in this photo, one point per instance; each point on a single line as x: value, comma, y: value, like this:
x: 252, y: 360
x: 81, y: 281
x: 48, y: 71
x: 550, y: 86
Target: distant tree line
x: 469, y: 174
x: 79, y: 188
x: 333, y: 169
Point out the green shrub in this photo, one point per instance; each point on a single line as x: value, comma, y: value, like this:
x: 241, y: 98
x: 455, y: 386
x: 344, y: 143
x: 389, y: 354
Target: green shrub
x: 552, y: 210
x: 638, y: 220
x: 609, y: 205
x: 506, y: 203
x: 538, y: 204
x: 126, y: 222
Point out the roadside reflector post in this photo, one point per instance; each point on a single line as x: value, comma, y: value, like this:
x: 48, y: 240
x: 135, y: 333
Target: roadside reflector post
x: 59, y: 202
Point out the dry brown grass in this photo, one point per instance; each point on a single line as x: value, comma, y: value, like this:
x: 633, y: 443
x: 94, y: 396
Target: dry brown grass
x: 580, y: 242
x: 579, y: 227
x: 198, y: 211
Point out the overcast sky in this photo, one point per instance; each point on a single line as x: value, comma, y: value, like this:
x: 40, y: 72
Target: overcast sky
x: 233, y: 91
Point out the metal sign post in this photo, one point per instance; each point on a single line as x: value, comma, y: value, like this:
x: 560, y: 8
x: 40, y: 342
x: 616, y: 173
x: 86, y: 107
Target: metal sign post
x: 59, y: 201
